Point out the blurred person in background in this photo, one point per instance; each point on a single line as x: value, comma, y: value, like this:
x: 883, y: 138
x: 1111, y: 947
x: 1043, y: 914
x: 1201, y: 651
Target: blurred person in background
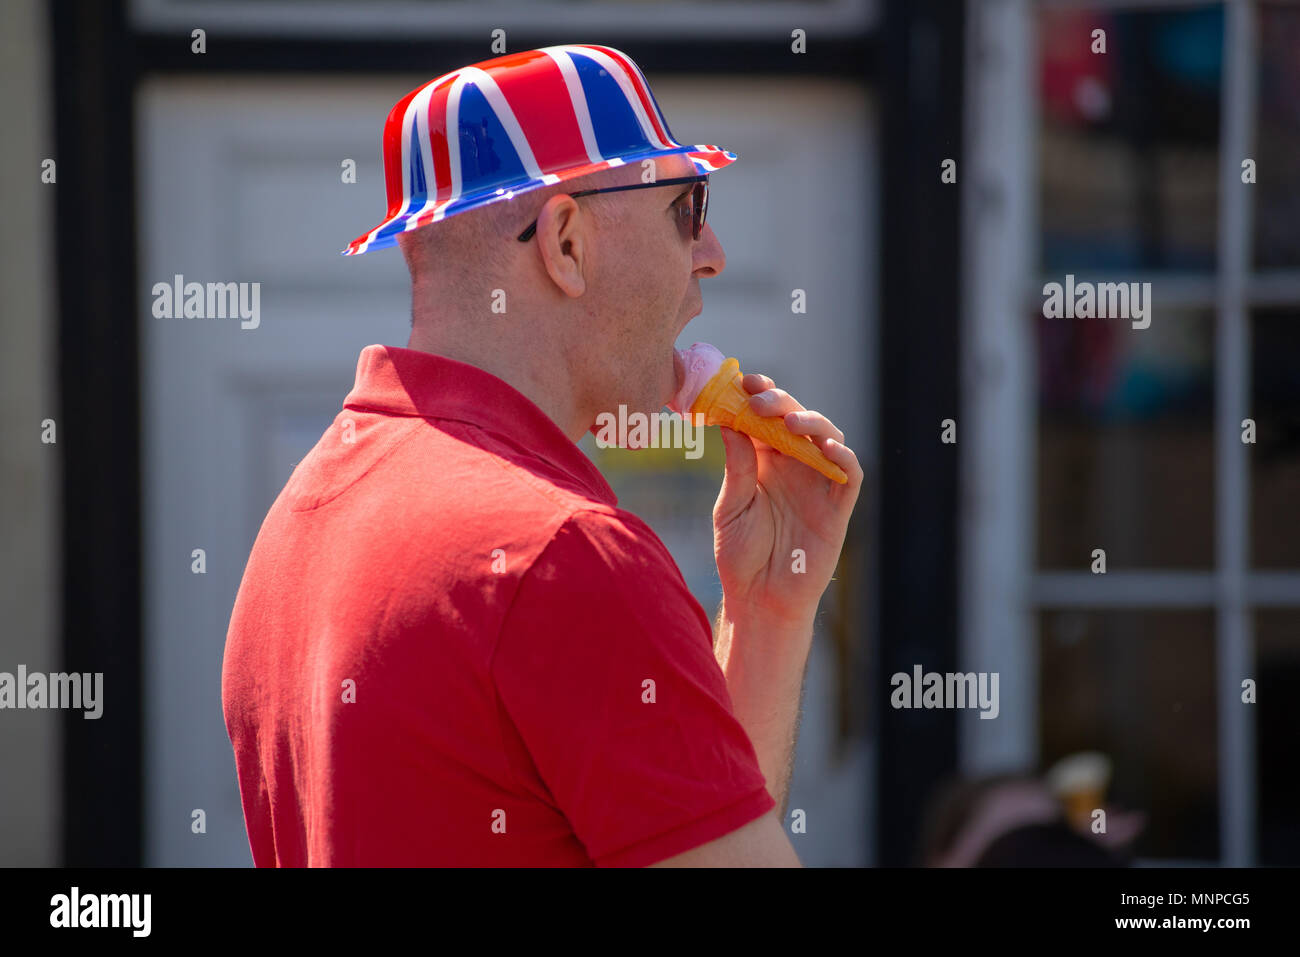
x: 1015, y: 820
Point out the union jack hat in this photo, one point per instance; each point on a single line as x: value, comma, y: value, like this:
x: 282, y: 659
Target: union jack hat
x: 490, y: 131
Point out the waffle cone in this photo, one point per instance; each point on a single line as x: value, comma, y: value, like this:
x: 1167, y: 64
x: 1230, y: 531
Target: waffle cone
x: 724, y: 401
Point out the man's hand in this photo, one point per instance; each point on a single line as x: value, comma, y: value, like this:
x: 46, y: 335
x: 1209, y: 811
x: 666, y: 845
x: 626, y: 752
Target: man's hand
x: 771, y: 504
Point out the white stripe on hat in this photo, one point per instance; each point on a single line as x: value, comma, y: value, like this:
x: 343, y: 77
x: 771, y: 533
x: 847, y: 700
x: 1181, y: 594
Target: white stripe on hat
x: 419, y: 113
x: 453, y: 143
x: 506, y: 116
x: 417, y: 107
x: 630, y: 92
x: 578, y: 99
x: 496, y: 100
x: 643, y: 84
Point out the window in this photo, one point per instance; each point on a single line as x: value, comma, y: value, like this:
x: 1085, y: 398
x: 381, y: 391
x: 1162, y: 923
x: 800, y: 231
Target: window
x: 1141, y: 447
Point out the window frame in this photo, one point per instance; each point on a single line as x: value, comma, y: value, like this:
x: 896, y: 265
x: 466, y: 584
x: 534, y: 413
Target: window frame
x: 1003, y: 589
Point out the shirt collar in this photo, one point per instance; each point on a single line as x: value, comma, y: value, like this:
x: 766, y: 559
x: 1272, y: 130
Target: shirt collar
x: 413, y: 382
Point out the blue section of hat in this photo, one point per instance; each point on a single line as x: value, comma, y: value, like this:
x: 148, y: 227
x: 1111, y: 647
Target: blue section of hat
x: 487, y: 158
x: 617, y: 130
x: 419, y: 189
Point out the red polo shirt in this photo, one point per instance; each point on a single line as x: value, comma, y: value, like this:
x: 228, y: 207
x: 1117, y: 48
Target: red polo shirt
x: 451, y: 647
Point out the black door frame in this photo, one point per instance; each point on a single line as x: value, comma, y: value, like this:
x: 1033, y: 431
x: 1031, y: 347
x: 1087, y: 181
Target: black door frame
x: 921, y: 78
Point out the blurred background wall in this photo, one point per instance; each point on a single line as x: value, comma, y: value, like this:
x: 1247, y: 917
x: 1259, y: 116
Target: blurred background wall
x: 30, y: 742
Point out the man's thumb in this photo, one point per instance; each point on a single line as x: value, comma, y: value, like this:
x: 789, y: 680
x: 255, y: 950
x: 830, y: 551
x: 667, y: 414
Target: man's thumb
x: 740, y: 480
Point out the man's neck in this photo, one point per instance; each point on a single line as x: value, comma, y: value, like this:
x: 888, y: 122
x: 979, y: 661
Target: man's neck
x: 553, y: 397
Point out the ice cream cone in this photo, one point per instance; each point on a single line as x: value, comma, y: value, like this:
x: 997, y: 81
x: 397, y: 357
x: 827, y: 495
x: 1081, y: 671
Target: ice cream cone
x: 1080, y: 781
x: 724, y: 401
x: 1080, y: 804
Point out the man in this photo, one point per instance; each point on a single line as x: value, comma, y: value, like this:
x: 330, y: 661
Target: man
x: 450, y: 646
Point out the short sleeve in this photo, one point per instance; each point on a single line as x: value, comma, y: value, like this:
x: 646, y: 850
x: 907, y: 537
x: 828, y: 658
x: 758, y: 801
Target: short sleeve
x: 605, y: 665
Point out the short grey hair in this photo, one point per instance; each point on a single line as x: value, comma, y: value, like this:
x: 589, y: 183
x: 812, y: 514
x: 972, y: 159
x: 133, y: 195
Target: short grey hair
x: 477, y: 244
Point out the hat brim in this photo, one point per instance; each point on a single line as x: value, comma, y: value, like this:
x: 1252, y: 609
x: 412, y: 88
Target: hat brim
x: 706, y: 159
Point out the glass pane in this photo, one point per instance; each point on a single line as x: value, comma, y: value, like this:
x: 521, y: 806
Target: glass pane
x: 1125, y: 441
x: 1139, y: 687
x: 1277, y: 665
x: 1277, y: 149
x: 1128, y: 162
x: 1275, y: 462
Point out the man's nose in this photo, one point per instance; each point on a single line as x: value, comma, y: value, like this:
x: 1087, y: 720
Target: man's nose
x: 708, y: 259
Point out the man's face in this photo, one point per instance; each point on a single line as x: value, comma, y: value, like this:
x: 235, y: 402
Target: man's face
x: 648, y: 288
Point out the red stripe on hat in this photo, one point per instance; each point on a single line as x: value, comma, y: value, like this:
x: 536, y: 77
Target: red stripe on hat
x: 393, y: 180
x: 439, y: 145
x: 544, y: 110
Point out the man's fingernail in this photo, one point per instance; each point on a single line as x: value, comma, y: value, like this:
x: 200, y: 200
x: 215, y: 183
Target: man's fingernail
x: 763, y: 398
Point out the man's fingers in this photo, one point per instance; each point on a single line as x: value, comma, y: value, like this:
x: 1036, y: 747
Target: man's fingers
x: 767, y: 400
x: 812, y: 424
x: 844, y: 457
x: 774, y: 402
x: 739, y: 480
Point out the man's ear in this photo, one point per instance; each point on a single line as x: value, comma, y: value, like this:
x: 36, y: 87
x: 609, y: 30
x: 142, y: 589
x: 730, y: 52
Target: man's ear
x: 563, y: 238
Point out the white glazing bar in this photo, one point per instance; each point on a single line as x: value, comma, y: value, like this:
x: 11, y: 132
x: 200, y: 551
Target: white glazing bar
x: 1142, y: 589
x: 1120, y: 6
x: 1234, y: 651
x: 1273, y: 589
x: 1273, y: 287
x: 996, y: 426
x: 1155, y: 588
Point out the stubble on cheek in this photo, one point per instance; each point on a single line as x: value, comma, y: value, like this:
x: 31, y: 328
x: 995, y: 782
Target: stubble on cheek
x: 642, y: 321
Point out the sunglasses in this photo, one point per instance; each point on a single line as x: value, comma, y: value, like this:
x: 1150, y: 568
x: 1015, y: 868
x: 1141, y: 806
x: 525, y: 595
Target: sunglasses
x: 699, y: 201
